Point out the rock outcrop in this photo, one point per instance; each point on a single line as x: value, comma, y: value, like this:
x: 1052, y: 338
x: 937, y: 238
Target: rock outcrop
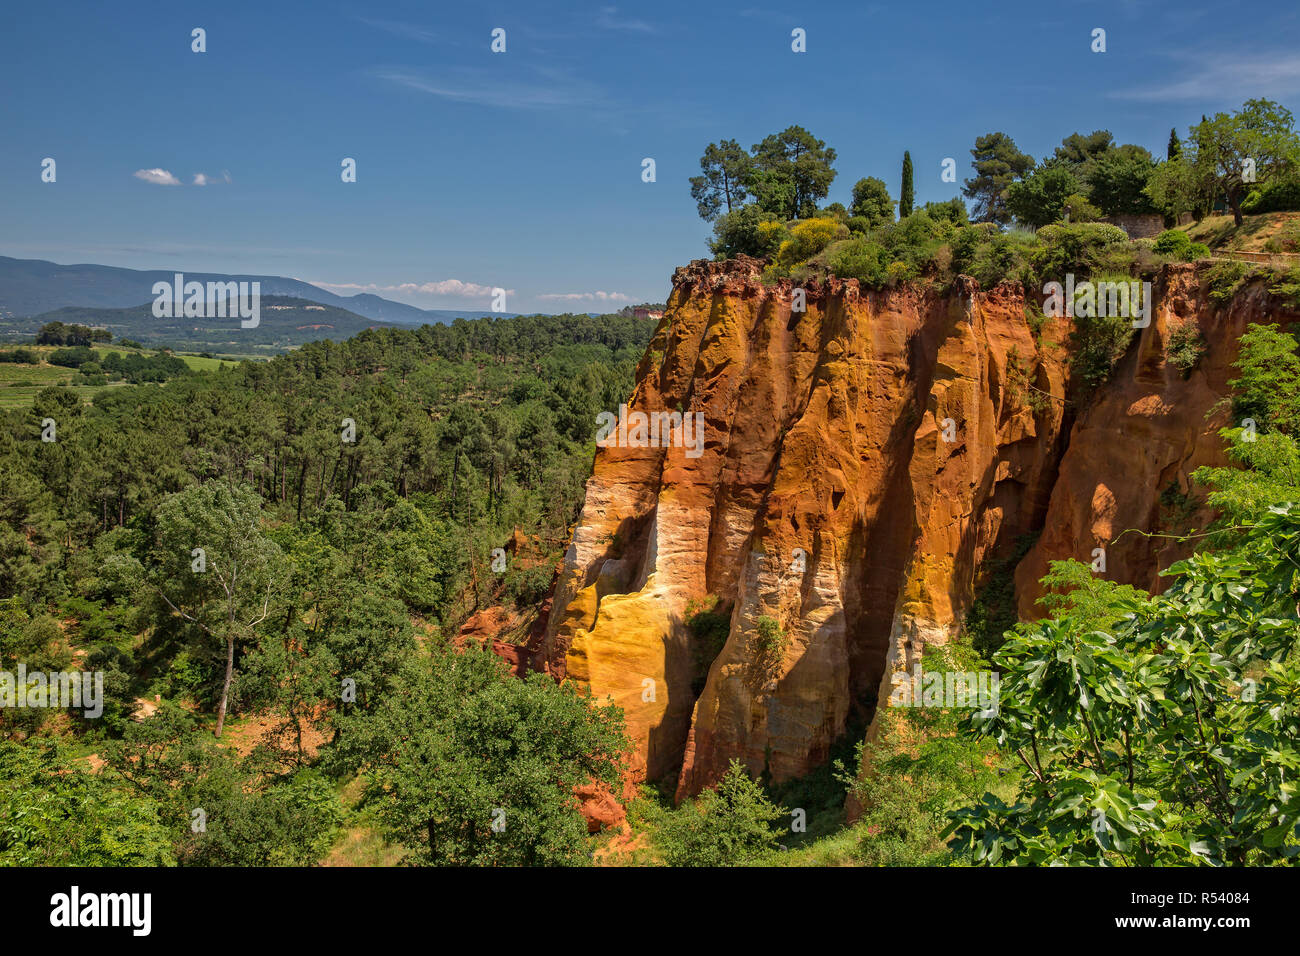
x: 861, y: 461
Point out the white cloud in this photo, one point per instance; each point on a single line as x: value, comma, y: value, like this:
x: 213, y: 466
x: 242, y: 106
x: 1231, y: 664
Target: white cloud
x: 1226, y: 76
x: 608, y: 19
x: 159, y: 177
x: 454, y: 288
x: 547, y: 89
x: 202, y: 179
x: 586, y: 297
x: 402, y: 29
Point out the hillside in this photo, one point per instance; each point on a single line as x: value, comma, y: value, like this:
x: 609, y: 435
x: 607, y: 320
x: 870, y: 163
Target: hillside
x: 30, y: 287
x: 284, y: 322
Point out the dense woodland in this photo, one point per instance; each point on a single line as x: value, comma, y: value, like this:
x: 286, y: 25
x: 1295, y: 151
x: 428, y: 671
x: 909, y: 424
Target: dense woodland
x: 360, y: 546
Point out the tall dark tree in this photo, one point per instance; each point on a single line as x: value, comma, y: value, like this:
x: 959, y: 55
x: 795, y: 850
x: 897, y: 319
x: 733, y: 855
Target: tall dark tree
x: 1079, y: 151
x: 906, y: 195
x: 1174, y: 147
x: 998, y: 163
x: 1118, y: 181
x: 721, y: 188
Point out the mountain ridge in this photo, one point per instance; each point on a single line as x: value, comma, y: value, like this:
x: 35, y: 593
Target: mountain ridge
x: 32, y: 287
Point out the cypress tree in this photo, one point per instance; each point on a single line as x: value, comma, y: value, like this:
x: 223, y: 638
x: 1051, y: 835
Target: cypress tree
x: 906, y: 195
x: 1175, y: 147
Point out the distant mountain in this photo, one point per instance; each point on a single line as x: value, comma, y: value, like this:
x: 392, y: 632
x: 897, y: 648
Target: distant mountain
x: 30, y: 287
x: 284, y: 322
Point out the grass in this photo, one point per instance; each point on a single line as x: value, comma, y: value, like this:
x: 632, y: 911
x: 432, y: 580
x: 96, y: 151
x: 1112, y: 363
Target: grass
x: 20, y: 383
x: 1218, y: 232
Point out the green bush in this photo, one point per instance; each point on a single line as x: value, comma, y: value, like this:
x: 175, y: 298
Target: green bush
x: 857, y: 258
x: 913, y: 241
x: 807, y: 238
x: 1185, y: 347
x: 1172, y: 242
x: 72, y: 358
x: 1178, y: 245
x: 1098, y: 343
x: 989, y: 255
x: 1083, y: 248
x: 771, y: 639
x: 1287, y: 286
x: 746, y: 231
x: 1278, y: 195
x: 1223, y: 279
x: 728, y: 825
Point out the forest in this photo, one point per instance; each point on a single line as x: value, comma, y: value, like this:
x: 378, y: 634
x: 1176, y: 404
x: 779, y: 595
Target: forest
x: 346, y: 498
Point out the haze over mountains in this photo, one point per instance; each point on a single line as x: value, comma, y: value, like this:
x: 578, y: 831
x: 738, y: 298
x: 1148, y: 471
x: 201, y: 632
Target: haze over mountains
x: 31, y: 287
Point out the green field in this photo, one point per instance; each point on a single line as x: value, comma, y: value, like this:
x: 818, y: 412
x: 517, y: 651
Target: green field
x: 20, y: 383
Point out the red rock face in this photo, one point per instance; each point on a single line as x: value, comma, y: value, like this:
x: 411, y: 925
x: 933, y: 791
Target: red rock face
x: 860, y: 460
x: 1142, y: 437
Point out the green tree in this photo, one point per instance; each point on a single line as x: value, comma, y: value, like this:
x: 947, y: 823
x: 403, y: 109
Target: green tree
x: 997, y: 163
x: 747, y: 231
x: 1118, y: 181
x: 1175, y: 147
x: 1260, y: 134
x: 724, y: 167
x: 871, y: 201
x: 907, y: 195
x: 54, y: 811
x: 227, y: 590
x: 792, y: 172
x: 1039, y: 198
x: 466, y: 766
x: 1078, y: 152
x: 730, y: 824
x: 1178, y: 185
x: 247, y: 816
x: 1154, y: 730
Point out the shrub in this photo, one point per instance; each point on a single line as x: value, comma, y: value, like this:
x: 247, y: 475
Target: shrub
x: 1099, y: 342
x: 1077, y: 209
x: 1082, y: 248
x: 526, y: 586
x: 860, y: 225
x: 709, y: 625
x: 1172, y: 242
x: 728, y: 825
x: 72, y: 358
x: 771, y: 639
x: 807, y: 238
x: 1286, y: 285
x: 1178, y: 245
x: 1278, y: 195
x: 21, y: 356
x: 989, y: 255
x: 1223, y: 279
x: 1185, y: 347
x: 952, y: 210
x: 746, y: 231
x: 857, y: 258
x: 912, y: 242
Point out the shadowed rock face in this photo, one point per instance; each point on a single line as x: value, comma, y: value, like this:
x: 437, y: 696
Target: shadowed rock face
x: 861, y: 460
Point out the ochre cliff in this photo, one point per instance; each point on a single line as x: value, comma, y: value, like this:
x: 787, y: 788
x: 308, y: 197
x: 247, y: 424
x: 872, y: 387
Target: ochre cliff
x: 861, y: 461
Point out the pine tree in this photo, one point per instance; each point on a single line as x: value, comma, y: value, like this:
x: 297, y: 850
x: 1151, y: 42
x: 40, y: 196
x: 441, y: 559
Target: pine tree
x: 906, y: 195
x: 1175, y: 147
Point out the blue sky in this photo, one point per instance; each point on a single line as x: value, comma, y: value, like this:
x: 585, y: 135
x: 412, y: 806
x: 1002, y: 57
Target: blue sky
x: 523, y: 169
